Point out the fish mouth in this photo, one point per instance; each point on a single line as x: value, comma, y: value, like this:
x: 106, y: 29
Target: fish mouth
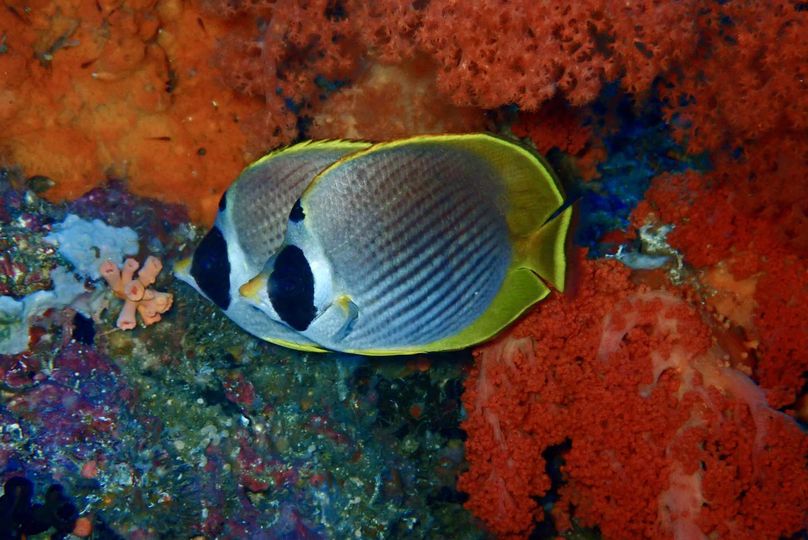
x: 182, y: 267
x: 252, y: 289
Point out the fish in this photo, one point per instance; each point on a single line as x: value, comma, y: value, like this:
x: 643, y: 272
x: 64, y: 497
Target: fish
x: 431, y: 243
x: 250, y: 226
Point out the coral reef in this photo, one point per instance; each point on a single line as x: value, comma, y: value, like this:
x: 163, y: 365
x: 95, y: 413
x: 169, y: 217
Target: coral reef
x: 192, y: 427
x: 391, y: 101
x: 208, y: 87
x: 17, y: 316
x: 748, y: 216
x: 665, y: 439
x: 664, y: 401
x: 568, y: 50
x: 85, y: 244
x: 746, y: 79
x: 20, y: 518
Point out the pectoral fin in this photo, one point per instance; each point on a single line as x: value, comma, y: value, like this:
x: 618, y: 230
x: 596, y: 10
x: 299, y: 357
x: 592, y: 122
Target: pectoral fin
x: 338, y: 319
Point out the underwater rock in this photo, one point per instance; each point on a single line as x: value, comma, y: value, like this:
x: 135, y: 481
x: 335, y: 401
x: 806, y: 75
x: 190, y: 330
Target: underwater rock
x: 19, y: 517
x: 16, y: 315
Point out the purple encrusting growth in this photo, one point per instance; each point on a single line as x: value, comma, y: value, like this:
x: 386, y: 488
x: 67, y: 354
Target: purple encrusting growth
x: 193, y: 427
x: 77, y: 402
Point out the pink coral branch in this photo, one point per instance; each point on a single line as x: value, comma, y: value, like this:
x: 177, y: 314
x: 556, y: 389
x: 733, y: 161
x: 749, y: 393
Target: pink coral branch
x: 134, y: 291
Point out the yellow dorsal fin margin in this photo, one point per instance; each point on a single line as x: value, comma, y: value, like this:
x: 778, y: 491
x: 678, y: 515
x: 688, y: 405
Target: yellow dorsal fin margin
x: 309, y: 146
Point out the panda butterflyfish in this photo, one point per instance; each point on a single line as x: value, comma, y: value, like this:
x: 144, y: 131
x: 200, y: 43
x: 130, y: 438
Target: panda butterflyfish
x: 425, y: 244
x: 250, y: 227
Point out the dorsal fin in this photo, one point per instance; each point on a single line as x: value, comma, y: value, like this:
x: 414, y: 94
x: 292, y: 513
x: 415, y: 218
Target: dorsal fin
x: 309, y: 146
x: 257, y: 204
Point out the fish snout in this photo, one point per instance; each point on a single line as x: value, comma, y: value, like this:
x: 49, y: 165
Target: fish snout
x: 182, y: 268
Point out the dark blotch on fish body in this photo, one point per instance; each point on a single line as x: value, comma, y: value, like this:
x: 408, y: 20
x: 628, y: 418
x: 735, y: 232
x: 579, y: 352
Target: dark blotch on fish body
x: 291, y: 288
x: 211, y: 269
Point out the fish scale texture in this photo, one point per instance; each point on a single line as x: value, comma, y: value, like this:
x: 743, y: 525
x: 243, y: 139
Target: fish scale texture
x: 415, y: 237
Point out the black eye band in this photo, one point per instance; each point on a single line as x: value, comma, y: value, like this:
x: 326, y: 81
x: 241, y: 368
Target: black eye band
x: 211, y: 269
x: 297, y: 213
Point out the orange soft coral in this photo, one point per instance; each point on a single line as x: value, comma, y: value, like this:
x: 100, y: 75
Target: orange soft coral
x: 134, y: 291
x: 392, y: 102
x: 125, y: 89
x: 666, y: 439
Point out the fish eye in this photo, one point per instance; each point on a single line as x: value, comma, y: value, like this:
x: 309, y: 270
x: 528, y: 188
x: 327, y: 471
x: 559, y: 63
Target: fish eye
x: 290, y: 288
x: 211, y: 268
x: 297, y: 214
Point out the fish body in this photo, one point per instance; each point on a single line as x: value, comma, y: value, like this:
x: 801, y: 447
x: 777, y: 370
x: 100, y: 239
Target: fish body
x: 249, y: 228
x: 424, y: 244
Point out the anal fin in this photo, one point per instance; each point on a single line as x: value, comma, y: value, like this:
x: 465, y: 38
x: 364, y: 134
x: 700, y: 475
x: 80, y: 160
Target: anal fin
x: 521, y: 289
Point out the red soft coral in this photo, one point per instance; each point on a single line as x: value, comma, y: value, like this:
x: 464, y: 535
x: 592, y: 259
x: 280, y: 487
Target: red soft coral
x: 650, y: 37
x: 494, y: 53
x: 487, y: 54
x: 387, y: 27
x: 276, y: 52
x: 554, y: 125
x: 523, y: 52
x: 781, y: 296
x: 666, y: 441
x: 748, y: 78
x: 750, y: 213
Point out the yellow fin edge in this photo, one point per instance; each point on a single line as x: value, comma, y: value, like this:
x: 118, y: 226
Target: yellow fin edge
x: 545, y: 250
x: 295, y: 346
x: 487, y: 145
x: 310, y: 146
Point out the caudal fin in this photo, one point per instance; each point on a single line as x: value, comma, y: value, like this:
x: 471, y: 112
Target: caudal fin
x: 546, y: 252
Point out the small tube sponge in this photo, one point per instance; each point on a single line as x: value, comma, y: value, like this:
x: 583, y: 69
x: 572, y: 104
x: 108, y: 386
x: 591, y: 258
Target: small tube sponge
x: 134, y: 291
